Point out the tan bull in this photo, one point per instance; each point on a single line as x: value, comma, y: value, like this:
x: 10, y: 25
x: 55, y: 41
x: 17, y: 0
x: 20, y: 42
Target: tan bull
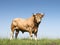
x: 26, y: 25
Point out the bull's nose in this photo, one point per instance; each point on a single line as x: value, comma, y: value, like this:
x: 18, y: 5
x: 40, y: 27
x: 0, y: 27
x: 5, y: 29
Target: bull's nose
x: 40, y: 22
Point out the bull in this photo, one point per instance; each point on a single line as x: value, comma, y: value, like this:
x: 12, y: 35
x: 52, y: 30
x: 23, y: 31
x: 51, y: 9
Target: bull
x: 26, y: 25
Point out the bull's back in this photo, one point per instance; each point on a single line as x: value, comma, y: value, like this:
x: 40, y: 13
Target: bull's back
x: 23, y: 23
x: 20, y: 23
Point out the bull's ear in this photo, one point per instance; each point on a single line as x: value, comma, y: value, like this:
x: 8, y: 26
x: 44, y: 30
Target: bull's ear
x: 42, y: 15
x: 33, y: 15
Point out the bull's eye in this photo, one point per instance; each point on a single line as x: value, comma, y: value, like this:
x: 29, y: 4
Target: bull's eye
x: 36, y: 16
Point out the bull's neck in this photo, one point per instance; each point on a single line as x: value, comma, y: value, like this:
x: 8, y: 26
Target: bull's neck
x: 31, y: 18
x: 36, y: 23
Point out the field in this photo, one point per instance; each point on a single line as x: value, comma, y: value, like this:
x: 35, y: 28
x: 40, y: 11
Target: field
x: 30, y: 42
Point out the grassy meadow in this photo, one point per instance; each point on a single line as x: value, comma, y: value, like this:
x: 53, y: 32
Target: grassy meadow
x: 30, y: 42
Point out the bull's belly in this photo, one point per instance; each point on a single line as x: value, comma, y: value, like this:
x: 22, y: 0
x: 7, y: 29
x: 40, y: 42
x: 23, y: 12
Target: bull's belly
x: 23, y: 29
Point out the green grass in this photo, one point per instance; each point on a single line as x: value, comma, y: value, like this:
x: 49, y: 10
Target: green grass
x: 30, y: 42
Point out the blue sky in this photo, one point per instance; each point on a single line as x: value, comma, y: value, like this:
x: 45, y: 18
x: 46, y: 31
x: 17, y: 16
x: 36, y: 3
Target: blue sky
x: 50, y: 25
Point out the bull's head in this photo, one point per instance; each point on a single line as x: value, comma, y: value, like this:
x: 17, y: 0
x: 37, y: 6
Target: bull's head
x: 38, y: 17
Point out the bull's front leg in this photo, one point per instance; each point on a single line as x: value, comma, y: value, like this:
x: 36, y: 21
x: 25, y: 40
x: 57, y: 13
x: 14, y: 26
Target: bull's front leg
x: 30, y: 32
x: 35, y: 34
x: 31, y: 35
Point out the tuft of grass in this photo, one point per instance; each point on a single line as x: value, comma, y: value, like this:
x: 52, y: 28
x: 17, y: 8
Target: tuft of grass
x: 30, y: 42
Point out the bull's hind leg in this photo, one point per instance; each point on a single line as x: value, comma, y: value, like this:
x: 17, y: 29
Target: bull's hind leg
x: 16, y: 33
x: 12, y: 31
x: 11, y: 35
